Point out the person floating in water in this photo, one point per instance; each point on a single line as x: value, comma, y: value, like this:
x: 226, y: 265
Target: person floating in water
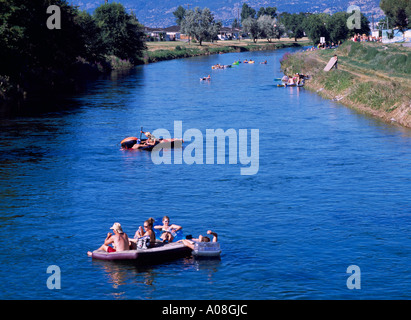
x: 189, y: 241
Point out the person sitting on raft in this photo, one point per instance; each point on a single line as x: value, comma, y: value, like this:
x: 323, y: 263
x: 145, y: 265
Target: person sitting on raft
x: 151, y: 140
x: 119, y: 240
x: 169, y: 231
x: 189, y: 241
x: 146, y: 232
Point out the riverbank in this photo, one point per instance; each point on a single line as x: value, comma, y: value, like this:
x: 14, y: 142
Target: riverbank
x: 168, y: 50
x: 372, y: 78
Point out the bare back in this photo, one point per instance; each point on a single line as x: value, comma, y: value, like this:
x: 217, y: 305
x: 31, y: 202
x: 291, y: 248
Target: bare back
x: 121, y: 242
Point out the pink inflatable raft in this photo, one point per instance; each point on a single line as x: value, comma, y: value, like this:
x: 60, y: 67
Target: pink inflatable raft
x: 159, y: 253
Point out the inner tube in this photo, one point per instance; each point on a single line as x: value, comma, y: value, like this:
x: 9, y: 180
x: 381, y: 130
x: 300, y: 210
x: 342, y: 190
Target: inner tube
x: 159, y: 221
x: 129, y: 142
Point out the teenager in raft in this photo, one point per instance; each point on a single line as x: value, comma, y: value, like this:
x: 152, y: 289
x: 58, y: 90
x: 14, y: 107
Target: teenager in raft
x: 118, y: 240
x: 146, y: 232
x: 189, y: 242
x: 151, y: 140
x: 168, y: 229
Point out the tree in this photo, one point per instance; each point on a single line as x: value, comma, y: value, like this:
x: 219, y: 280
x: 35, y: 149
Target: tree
x: 28, y: 49
x: 315, y: 27
x: 268, y: 11
x: 294, y: 24
x: 89, y: 31
x: 250, y: 26
x: 236, y: 24
x: 338, y: 30
x: 337, y: 27
x: 200, y: 24
x: 121, y: 34
x: 399, y: 12
x: 268, y: 28
x: 247, y: 12
x: 179, y: 14
x: 278, y: 30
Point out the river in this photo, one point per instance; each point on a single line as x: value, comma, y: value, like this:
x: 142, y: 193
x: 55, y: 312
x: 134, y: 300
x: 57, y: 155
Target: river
x: 332, y: 190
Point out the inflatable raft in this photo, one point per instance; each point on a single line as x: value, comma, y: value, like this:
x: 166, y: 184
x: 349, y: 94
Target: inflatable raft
x: 159, y: 253
x: 206, y: 250
x: 136, y: 143
x: 290, y: 85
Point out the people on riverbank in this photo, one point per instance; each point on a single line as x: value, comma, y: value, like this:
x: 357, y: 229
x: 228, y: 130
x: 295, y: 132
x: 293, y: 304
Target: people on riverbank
x: 365, y: 38
x: 115, y: 242
x: 336, y: 62
x: 168, y: 230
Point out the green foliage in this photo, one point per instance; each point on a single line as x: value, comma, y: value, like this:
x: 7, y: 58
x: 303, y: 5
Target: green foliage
x: 33, y: 56
x: 399, y: 12
x: 26, y: 42
x: 268, y: 28
x: 332, y: 27
x: 250, y: 26
x: 268, y: 11
x: 179, y: 14
x: 247, y: 12
x: 120, y: 33
x: 200, y: 24
x: 315, y: 27
x: 293, y: 24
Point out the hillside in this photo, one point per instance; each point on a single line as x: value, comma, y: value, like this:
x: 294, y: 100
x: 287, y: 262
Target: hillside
x: 372, y: 78
x: 159, y: 13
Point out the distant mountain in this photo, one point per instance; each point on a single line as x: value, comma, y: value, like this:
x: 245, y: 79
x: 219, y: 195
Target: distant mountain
x: 159, y: 13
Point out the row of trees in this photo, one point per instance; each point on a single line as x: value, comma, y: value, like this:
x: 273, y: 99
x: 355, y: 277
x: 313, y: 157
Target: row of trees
x: 32, y: 54
x: 333, y: 27
x: 268, y: 24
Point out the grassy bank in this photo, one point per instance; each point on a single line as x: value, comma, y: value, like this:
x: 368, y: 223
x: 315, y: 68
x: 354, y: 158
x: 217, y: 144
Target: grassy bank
x: 159, y: 51
x: 372, y: 77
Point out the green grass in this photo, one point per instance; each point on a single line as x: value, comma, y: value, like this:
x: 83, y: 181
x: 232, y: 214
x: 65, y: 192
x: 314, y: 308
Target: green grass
x: 379, y: 96
x: 390, y: 59
x: 338, y: 80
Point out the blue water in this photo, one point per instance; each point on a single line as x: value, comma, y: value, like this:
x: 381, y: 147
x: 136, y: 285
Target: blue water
x: 333, y: 190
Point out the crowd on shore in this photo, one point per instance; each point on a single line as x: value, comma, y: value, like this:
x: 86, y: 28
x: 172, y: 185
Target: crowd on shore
x: 355, y: 38
x: 365, y: 38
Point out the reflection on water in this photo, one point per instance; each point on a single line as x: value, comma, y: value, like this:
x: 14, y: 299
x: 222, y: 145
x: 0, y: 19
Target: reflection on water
x: 120, y: 274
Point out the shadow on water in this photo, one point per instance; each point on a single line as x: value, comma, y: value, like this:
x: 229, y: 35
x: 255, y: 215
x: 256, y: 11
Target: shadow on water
x: 61, y: 100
